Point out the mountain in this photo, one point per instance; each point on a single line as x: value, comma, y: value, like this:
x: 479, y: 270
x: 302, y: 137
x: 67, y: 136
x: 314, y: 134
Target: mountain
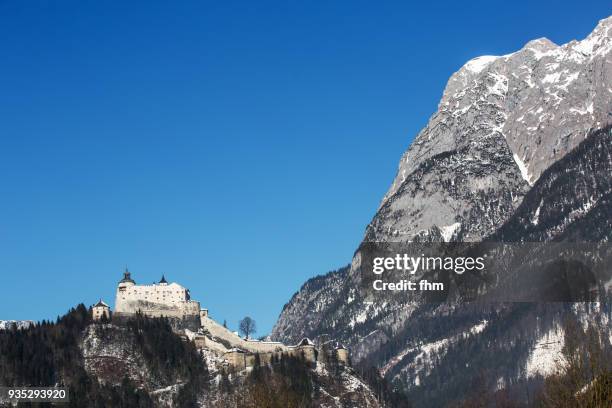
x: 500, y: 123
x: 143, y: 362
x: 518, y: 151
x: 17, y: 324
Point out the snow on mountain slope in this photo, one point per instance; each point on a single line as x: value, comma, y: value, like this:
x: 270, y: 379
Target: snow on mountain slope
x: 19, y: 324
x: 500, y: 123
x: 546, y: 353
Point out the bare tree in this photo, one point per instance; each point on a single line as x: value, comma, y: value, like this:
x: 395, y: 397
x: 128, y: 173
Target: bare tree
x: 247, y: 326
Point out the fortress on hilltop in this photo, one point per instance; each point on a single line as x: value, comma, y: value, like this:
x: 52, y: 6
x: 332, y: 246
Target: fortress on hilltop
x: 169, y: 300
x: 188, y: 319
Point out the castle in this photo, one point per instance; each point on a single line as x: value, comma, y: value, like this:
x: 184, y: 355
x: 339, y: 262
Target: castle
x: 170, y: 300
x: 173, y: 301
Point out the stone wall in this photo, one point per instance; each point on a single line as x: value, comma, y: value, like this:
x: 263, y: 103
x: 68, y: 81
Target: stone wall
x: 217, y: 330
x: 152, y: 309
x: 177, y: 323
x: 343, y: 356
x: 308, y: 352
x: 204, y: 342
x: 240, y: 360
x: 156, y: 300
x: 99, y: 311
x: 162, y: 293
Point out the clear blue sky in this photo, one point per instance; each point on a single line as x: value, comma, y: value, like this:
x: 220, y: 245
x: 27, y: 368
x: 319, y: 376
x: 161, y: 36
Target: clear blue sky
x: 237, y: 148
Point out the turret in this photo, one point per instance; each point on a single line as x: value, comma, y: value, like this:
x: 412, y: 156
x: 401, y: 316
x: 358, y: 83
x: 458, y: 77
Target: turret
x: 342, y: 354
x: 100, y: 311
x: 127, y: 279
x: 122, y: 289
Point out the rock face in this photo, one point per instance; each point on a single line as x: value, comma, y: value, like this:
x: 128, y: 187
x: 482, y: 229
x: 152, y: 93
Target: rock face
x: 310, y: 305
x: 572, y: 200
x: 516, y: 151
x: 109, y: 354
x: 501, y: 122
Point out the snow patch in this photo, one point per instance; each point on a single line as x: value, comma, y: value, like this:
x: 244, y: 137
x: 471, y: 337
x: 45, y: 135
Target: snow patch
x: 477, y: 64
x: 500, y: 86
x: 448, y: 231
x: 551, y: 78
x: 546, y: 354
x: 536, y: 215
x: 523, y: 168
x: 568, y: 80
x: 477, y: 329
x: 428, y: 350
x: 361, y: 317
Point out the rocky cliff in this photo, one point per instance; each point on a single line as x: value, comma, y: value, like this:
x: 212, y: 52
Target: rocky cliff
x: 500, y: 123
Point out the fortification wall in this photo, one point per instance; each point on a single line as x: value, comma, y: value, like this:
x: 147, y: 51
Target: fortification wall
x: 265, y: 346
x: 158, y: 309
x: 217, y: 330
x: 343, y: 356
x: 204, y: 342
x: 308, y: 352
x: 159, y: 293
x: 152, y: 300
x: 177, y: 323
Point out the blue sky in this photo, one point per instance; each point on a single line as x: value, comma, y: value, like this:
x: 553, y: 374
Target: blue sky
x: 239, y: 148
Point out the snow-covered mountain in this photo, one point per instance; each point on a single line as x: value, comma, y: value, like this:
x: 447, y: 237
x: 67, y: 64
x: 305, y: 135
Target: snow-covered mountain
x: 19, y: 324
x: 501, y: 122
x: 518, y: 150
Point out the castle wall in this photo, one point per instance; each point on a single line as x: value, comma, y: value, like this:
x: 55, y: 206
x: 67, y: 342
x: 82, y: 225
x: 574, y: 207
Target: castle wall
x: 172, y: 298
x: 237, y: 359
x: 98, y: 311
x: 158, y: 300
x: 152, y: 309
x: 204, y: 342
x: 217, y: 330
x: 177, y: 323
x: 240, y: 360
x: 343, y: 356
x: 264, y: 346
x: 308, y: 352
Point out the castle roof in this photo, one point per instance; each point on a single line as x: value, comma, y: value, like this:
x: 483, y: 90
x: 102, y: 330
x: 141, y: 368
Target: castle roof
x: 305, y: 342
x: 101, y: 304
x: 163, y: 279
x: 127, y: 277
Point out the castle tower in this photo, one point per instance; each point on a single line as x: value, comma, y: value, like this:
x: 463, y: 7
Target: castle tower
x: 127, y: 279
x: 99, y: 310
x: 342, y: 353
x: 122, y: 291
